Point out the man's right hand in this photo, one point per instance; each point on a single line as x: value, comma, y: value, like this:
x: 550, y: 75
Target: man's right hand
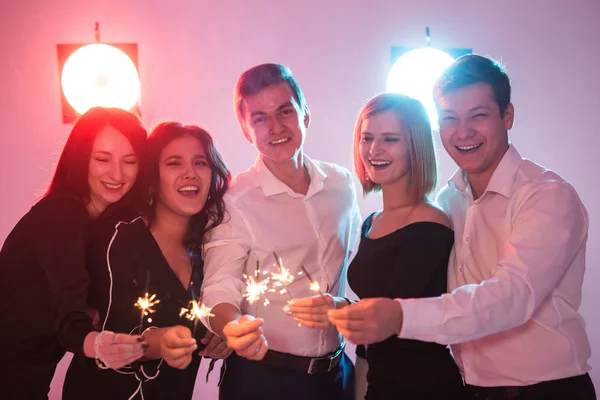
x: 246, y: 337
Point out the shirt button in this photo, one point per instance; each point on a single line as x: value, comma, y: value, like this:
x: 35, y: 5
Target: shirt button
x: 467, y: 239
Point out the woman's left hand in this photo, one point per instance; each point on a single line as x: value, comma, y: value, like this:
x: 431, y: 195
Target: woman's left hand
x: 216, y: 347
x: 311, y: 312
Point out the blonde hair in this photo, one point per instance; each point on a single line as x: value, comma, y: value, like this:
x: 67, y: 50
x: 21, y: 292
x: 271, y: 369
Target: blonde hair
x: 413, y: 116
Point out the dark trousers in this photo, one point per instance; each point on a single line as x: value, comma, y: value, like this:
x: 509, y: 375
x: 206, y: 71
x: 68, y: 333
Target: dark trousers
x: 573, y: 388
x: 245, y: 379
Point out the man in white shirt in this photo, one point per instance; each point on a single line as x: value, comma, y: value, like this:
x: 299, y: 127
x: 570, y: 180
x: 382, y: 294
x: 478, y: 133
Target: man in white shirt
x: 519, y: 257
x: 305, y: 212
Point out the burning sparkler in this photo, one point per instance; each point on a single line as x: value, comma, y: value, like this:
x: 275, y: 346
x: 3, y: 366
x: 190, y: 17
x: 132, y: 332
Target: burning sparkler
x: 195, y: 311
x: 255, y: 287
x: 314, y: 285
x: 145, y: 305
x: 283, y: 278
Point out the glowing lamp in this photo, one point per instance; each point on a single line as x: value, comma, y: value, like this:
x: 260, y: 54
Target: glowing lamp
x: 415, y: 73
x: 100, y: 75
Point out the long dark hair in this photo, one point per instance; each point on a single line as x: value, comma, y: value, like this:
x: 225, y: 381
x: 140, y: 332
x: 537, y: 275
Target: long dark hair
x: 213, y: 212
x: 71, y: 174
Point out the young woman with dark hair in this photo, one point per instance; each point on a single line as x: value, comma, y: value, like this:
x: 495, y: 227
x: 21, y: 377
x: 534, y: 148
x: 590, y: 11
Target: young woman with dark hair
x: 43, y: 278
x: 159, y: 253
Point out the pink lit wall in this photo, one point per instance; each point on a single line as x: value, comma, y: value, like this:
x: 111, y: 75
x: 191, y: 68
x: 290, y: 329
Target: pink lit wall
x: 191, y: 52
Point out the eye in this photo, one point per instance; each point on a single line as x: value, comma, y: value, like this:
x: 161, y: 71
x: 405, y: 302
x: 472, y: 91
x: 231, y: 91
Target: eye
x: 201, y: 163
x: 392, y: 140
x: 173, y: 164
x: 258, y: 120
x: 366, y: 139
x: 130, y: 162
x: 448, y: 118
x: 480, y: 115
x: 287, y: 111
x: 102, y: 160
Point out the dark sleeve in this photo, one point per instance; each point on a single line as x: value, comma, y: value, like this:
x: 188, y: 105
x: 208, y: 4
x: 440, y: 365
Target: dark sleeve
x: 60, y: 250
x: 422, y: 265
x: 361, y: 352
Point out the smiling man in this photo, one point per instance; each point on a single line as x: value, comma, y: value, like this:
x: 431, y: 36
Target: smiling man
x: 304, y: 211
x: 519, y: 258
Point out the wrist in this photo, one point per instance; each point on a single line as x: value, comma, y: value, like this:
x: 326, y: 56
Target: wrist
x: 400, y: 317
x: 88, y: 345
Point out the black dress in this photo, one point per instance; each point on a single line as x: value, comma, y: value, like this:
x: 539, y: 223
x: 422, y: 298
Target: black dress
x: 410, y: 262
x: 43, y: 284
x: 134, y: 256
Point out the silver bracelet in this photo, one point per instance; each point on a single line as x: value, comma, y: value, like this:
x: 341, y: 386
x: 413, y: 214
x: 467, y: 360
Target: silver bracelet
x: 100, y: 361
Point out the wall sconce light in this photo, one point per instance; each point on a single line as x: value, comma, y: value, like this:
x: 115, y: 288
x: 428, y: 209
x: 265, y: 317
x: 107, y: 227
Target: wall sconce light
x: 98, y: 74
x: 415, y: 69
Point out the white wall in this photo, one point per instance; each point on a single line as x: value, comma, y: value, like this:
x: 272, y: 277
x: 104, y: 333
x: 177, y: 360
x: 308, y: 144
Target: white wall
x: 191, y: 52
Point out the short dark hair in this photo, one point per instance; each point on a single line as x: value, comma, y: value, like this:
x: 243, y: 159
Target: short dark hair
x: 212, y: 213
x: 71, y: 174
x: 259, y: 77
x: 473, y: 68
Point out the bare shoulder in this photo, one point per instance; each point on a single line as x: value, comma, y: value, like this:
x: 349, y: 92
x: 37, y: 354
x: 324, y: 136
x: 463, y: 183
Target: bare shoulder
x: 429, y: 212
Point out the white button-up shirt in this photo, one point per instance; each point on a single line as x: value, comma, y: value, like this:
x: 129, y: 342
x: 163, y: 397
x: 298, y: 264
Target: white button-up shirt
x: 515, y: 279
x: 317, y: 230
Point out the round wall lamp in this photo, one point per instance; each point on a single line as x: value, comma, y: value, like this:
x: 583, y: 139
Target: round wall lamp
x: 98, y: 74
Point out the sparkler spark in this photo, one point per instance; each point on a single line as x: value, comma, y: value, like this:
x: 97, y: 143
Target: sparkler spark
x: 283, y: 278
x: 146, y: 303
x: 195, y: 311
x: 255, y: 287
x: 315, y: 286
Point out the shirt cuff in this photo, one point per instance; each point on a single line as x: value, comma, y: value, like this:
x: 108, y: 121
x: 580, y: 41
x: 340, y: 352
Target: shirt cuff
x: 421, y: 319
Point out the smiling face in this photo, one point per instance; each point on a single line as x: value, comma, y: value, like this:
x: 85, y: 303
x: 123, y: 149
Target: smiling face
x: 275, y: 124
x: 473, y: 130
x: 185, y: 177
x: 113, y: 169
x: 384, y: 148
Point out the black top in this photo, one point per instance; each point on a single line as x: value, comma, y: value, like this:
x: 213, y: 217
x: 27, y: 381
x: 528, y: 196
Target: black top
x: 411, y: 262
x: 134, y: 256
x: 43, y: 283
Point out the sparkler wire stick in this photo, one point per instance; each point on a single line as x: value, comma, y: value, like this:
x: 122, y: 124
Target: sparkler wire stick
x: 315, y: 285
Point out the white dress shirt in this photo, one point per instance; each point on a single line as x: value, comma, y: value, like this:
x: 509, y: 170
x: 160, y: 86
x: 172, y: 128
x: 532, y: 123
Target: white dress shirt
x: 317, y: 230
x: 515, y: 279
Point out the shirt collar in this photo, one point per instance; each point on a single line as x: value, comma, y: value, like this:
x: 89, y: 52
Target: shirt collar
x: 272, y: 186
x: 502, y: 179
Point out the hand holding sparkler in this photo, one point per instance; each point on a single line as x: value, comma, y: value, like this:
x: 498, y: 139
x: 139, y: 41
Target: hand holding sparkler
x: 246, y: 337
x: 113, y: 350
x: 311, y: 312
x: 368, y: 320
x: 216, y: 347
x: 177, y: 346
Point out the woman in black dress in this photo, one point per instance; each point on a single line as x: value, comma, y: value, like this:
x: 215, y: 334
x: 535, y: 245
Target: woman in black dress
x: 404, y: 247
x: 158, y: 254
x: 43, y: 278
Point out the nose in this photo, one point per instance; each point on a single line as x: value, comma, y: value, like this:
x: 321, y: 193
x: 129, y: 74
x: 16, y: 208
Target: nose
x: 464, y: 129
x: 276, y: 125
x: 116, y: 172
x: 189, y: 172
x: 375, y: 148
